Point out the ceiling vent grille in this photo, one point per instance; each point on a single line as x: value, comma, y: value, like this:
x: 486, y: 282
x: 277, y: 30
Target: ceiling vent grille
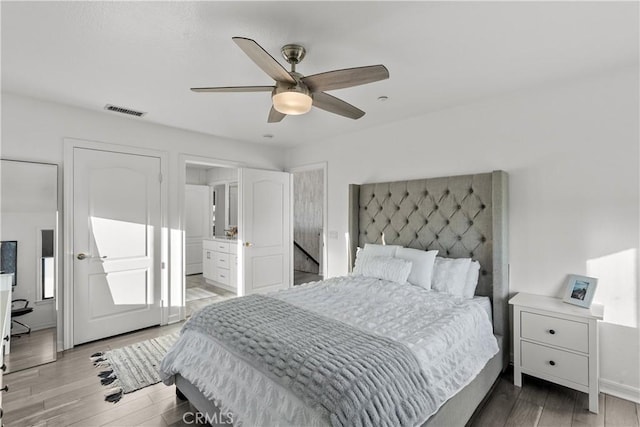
x: 124, y: 110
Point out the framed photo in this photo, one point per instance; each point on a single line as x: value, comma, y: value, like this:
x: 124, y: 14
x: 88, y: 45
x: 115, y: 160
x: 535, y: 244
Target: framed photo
x: 580, y: 290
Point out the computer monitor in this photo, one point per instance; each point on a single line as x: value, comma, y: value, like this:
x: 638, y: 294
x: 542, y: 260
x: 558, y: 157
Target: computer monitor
x: 9, y: 259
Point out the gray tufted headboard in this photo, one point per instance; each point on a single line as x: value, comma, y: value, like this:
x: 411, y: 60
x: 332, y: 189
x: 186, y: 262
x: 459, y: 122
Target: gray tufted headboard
x: 461, y: 216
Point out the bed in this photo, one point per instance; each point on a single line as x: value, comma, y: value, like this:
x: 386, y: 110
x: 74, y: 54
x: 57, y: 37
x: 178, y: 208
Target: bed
x: 461, y: 217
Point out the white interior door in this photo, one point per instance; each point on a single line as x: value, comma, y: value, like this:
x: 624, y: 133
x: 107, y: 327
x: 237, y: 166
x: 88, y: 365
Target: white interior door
x: 116, y: 243
x: 265, y: 231
x: 197, y: 200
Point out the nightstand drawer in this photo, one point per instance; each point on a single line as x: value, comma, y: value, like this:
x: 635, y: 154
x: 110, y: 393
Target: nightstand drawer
x: 558, y: 363
x: 555, y: 331
x: 221, y: 260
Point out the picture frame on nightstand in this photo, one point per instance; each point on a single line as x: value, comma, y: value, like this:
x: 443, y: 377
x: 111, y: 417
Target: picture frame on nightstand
x: 580, y: 290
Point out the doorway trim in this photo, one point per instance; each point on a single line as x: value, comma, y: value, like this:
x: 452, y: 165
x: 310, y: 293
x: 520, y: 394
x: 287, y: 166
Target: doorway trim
x: 178, y: 274
x: 325, y: 203
x: 69, y: 145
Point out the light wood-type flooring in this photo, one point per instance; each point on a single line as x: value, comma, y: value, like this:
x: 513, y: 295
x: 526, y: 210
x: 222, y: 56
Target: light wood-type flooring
x: 198, y: 281
x: 544, y: 404
x: 300, y: 277
x: 32, y: 349
x: 68, y: 392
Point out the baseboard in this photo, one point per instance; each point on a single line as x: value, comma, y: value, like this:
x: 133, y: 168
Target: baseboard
x: 620, y: 390
x: 174, y: 318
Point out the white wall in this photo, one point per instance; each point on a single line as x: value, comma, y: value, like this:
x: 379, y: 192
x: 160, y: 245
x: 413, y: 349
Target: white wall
x: 196, y: 176
x: 571, y: 152
x: 217, y: 175
x: 34, y: 130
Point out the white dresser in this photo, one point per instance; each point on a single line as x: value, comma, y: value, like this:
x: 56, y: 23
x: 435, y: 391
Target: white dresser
x: 220, y: 263
x: 557, y: 342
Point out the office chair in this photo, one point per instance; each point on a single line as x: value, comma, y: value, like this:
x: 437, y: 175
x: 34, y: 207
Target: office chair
x: 20, y: 311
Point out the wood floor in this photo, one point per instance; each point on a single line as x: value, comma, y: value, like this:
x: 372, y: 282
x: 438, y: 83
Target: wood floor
x: 32, y: 349
x: 300, y: 277
x: 198, y: 281
x: 543, y: 404
x: 68, y: 392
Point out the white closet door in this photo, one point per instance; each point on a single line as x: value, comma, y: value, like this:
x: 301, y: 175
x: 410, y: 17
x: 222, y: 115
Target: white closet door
x: 116, y: 240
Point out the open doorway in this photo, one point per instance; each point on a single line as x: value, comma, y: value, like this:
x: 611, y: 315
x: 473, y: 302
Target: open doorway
x: 211, y: 223
x: 309, y: 223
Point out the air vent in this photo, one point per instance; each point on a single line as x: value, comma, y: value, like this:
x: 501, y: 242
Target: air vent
x: 123, y: 110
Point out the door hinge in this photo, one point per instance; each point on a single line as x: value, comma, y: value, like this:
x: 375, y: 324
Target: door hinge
x: 162, y: 265
x: 160, y: 177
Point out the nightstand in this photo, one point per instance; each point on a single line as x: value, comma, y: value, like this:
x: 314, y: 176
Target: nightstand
x: 557, y: 342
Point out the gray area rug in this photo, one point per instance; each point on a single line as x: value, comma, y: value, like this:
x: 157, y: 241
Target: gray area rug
x: 133, y: 367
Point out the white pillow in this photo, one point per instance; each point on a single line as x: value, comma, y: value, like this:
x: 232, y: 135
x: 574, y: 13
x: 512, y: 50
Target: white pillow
x: 422, y: 265
x: 450, y: 275
x: 381, y: 267
x: 371, y: 249
x: 472, y: 280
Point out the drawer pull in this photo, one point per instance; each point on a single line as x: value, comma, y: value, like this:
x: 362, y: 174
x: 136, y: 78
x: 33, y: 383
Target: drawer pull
x: 6, y: 338
x: 552, y: 363
x: 3, y: 367
x: 552, y: 332
x: 5, y: 388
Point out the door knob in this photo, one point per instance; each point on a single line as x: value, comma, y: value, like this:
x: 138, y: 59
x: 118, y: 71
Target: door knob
x: 247, y: 244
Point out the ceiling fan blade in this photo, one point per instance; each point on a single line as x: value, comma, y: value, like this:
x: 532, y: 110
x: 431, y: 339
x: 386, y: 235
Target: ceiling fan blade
x: 334, y: 105
x: 265, y: 61
x: 234, y: 89
x: 275, y: 116
x: 348, y: 77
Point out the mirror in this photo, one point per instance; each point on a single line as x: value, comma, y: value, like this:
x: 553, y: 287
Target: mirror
x: 233, y: 204
x: 28, y: 232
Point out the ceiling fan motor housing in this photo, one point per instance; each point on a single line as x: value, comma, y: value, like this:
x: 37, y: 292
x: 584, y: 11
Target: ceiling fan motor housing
x: 293, y: 53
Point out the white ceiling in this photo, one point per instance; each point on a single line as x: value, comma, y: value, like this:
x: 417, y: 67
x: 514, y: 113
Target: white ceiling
x: 146, y: 56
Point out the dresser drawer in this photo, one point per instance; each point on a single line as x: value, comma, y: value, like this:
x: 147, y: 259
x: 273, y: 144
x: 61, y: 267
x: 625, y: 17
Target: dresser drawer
x: 222, y: 275
x: 558, y: 363
x: 555, y: 331
x: 221, y: 246
x: 221, y: 259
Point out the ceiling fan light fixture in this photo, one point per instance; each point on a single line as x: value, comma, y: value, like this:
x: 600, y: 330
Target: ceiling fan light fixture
x: 292, y: 102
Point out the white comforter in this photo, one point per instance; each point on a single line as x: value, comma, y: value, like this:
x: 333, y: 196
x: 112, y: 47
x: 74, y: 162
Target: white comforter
x: 451, y: 338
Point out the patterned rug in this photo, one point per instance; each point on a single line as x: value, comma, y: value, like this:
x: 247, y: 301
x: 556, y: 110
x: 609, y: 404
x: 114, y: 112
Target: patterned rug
x: 133, y: 367
x: 199, y: 293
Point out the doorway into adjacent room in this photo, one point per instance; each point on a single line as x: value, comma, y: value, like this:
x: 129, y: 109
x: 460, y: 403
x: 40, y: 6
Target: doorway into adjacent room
x: 243, y: 246
x: 211, y: 218
x: 309, y: 223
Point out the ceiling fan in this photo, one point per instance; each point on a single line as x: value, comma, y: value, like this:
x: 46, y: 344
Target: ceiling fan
x: 294, y: 93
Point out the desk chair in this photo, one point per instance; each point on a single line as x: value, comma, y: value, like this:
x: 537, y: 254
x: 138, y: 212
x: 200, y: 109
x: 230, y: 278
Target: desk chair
x: 20, y: 311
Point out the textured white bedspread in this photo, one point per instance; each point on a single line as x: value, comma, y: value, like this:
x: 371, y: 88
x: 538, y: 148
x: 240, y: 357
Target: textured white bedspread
x: 451, y: 338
